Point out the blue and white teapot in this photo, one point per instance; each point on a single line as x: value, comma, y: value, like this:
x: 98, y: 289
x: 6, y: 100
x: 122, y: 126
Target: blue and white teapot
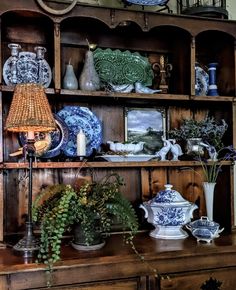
x: 168, y: 211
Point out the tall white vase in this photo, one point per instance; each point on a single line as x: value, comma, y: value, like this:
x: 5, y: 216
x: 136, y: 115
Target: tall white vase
x: 208, y: 188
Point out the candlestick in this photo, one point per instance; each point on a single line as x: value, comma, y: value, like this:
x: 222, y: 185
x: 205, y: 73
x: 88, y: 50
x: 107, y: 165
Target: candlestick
x: 30, y: 135
x: 81, y: 144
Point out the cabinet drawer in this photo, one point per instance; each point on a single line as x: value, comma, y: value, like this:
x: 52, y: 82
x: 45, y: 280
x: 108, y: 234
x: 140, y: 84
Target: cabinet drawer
x: 195, y: 281
x: 115, y: 285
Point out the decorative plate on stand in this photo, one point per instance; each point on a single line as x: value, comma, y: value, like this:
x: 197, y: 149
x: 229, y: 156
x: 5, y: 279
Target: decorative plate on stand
x: 122, y: 67
x: 202, y: 81
x: 27, y: 68
x: 77, y: 118
x: 148, y: 2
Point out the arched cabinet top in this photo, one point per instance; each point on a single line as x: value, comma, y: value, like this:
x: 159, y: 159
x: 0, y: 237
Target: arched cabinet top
x: 112, y: 17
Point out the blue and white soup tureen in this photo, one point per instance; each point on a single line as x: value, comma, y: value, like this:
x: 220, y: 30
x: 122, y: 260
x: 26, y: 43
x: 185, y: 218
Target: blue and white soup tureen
x: 204, y: 229
x: 168, y: 211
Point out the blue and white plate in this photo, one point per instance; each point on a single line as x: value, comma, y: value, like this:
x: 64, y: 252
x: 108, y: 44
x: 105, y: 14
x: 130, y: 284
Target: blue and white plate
x: 58, y: 137
x: 148, y: 2
x: 77, y: 118
x: 202, y: 81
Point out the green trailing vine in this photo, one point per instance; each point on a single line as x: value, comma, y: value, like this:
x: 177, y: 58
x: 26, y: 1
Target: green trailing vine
x: 55, y: 216
x: 58, y: 207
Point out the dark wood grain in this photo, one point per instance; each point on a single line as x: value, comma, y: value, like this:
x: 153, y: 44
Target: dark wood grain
x: 184, y: 40
x: 184, y: 261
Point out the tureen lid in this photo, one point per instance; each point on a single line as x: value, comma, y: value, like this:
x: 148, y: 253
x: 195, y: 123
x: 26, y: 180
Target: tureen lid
x: 204, y: 222
x: 169, y: 195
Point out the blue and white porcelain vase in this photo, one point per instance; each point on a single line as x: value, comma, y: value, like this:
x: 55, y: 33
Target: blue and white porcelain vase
x: 168, y: 212
x: 212, y: 90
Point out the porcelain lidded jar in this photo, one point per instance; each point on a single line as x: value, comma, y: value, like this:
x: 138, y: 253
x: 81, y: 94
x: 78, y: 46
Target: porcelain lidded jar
x: 168, y: 211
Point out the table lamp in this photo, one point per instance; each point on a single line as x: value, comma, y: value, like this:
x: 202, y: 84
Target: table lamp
x: 29, y: 112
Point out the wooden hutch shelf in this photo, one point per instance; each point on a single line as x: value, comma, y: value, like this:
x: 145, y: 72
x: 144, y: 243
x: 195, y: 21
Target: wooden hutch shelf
x: 101, y: 164
x: 114, y: 95
x: 183, y: 40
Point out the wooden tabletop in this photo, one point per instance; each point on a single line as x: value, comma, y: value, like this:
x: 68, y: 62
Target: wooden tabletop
x: 116, y: 261
x: 160, y: 251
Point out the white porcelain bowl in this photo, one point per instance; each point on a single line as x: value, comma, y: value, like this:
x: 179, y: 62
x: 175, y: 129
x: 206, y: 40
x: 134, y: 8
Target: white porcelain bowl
x: 126, y: 147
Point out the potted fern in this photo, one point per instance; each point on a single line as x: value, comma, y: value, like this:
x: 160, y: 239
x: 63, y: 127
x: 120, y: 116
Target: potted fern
x: 91, y: 205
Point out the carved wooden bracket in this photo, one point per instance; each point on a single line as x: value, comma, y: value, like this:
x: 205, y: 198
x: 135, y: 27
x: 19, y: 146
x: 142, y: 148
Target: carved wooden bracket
x: 211, y: 284
x: 54, y: 11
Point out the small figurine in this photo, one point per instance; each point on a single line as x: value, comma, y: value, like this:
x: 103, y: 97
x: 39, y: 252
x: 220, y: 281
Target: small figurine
x: 211, y: 151
x: 41, y: 147
x: 164, y: 150
x: 175, y: 150
x: 126, y: 88
x: 162, y: 73
x: 139, y: 88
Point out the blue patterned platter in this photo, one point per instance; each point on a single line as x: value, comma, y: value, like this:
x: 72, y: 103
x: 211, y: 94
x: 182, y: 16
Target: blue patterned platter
x: 59, y: 138
x: 122, y: 67
x: 148, y: 2
x: 202, y: 81
x: 77, y: 118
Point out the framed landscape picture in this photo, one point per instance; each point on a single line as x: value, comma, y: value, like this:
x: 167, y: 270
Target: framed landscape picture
x: 146, y: 125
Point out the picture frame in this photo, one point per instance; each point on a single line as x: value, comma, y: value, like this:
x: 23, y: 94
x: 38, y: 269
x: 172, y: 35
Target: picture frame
x: 146, y: 125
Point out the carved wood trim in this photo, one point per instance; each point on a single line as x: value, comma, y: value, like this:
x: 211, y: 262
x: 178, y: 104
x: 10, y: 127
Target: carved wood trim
x: 54, y: 11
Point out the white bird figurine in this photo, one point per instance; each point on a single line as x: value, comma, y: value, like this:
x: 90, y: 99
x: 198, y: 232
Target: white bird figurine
x: 175, y: 150
x: 164, y: 150
x: 139, y: 88
x: 126, y: 88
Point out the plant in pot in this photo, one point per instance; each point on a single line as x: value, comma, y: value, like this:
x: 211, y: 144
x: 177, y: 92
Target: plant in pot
x: 91, y: 205
x: 193, y: 132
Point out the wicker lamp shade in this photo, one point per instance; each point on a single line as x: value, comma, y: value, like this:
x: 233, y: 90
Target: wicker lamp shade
x: 30, y: 110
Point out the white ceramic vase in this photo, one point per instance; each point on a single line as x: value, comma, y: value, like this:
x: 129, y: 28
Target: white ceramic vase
x: 209, y: 188
x: 89, y: 79
x: 70, y: 81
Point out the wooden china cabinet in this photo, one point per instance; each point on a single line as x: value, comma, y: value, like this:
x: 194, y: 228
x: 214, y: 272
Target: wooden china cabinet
x: 184, y: 40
